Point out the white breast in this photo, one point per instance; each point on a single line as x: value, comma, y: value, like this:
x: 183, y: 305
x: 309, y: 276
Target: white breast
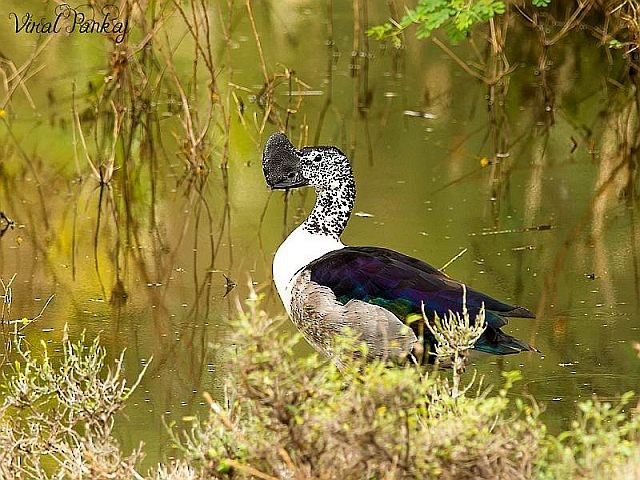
x: 297, y: 251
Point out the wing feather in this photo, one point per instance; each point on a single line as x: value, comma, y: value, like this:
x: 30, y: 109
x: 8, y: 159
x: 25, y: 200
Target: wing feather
x: 401, y: 284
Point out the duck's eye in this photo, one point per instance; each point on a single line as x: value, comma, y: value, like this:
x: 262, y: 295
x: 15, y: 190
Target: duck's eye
x: 291, y: 174
x: 317, y: 158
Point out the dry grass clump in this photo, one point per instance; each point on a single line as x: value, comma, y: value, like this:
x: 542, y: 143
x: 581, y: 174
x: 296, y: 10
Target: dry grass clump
x: 293, y: 417
x: 180, y: 470
x: 603, y: 441
x: 288, y: 416
x: 56, y: 417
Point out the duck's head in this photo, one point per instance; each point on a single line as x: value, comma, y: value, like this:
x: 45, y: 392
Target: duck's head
x: 285, y: 166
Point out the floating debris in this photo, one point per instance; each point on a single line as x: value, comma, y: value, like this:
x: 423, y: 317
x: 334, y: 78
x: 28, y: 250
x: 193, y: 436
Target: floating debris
x: 229, y: 285
x: 304, y: 93
x: 5, y: 222
x: 524, y: 247
x: 536, y: 228
x: 462, y: 252
x: 415, y: 113
x: 574, y: 144
x: 363, y: 214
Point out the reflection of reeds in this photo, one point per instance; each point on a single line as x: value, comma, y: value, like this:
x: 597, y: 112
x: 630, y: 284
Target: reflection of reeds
x: 102, y: 171
x: 256, y: 35
x: 619, y: 153
x: 359, y: 67
x: 5, y: 311
x: 194, y: 146
x: 329, y: 73
x: 16, y: 77
x: 12, y: 327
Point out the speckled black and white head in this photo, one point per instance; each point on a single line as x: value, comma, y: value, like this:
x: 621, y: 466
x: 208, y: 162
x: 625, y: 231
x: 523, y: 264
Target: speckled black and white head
x: 325, y: 168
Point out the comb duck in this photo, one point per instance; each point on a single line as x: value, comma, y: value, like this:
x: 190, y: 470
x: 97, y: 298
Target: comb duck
x: 327, y: 287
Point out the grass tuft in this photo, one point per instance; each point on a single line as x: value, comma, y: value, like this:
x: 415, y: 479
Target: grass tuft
x: 298, y: 417
x: 57, y: 416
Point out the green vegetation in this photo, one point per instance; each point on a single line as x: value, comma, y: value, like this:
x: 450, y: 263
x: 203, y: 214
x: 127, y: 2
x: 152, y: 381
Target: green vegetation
x: 456, y: 17
x: 184, y: 86
x: 57, y: 415
x: 287, y: 416
x: 299, y: 418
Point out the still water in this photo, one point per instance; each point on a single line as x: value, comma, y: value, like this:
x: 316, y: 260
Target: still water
x: 531, y: 183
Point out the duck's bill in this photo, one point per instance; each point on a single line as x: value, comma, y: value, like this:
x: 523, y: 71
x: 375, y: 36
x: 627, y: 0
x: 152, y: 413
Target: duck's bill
x: 287, y: 183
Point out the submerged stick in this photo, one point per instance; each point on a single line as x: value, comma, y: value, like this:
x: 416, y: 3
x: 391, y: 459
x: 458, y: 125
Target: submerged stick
x: 462, y: 252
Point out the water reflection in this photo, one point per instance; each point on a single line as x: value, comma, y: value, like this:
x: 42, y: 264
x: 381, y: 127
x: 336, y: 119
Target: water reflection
x: 149, y: 231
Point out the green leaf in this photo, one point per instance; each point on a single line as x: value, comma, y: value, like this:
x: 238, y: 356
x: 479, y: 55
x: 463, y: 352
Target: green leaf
x: 223, y: 467
x: 616, y: 44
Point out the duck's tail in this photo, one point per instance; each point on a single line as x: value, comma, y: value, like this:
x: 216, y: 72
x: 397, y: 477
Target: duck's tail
x: 496, y: 342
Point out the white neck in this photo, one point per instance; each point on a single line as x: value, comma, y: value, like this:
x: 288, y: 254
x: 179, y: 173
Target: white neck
x: 299, y: 249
